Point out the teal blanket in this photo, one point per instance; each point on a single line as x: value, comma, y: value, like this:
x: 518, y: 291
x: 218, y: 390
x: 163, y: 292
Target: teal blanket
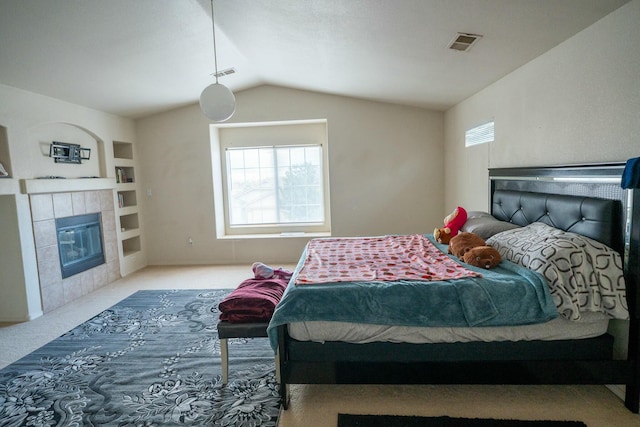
x: 507, y: 295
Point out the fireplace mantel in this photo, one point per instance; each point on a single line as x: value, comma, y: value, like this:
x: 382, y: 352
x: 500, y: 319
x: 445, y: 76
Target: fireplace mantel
x: 9, y: 186
x: 43, y: 186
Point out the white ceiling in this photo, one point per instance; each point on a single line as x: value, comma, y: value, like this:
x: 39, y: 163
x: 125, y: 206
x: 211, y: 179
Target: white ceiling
x: 137, y: 57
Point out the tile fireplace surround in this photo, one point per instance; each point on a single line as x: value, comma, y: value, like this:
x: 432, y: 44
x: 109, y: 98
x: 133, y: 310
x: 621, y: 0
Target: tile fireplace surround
x: 45, y: 208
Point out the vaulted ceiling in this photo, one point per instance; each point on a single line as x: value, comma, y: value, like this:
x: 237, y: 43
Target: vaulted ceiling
x: 136, y: 57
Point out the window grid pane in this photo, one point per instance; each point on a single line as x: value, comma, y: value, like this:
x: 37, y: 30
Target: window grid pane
x: 258, y: 195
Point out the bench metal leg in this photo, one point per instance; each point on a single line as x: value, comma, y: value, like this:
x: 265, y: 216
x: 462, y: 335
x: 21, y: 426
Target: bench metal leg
x: 224, y: 356
x: 277, y: 365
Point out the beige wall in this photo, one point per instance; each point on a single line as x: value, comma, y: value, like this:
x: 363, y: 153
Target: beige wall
x: 577, y: 103
x: 32, y: 121
x: 385, y: 168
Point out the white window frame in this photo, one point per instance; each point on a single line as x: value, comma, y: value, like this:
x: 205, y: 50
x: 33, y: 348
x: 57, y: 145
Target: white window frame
x: 272, y: 134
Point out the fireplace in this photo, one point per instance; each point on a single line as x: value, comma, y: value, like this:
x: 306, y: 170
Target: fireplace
x: 46, y: 208
x: 79, y: 243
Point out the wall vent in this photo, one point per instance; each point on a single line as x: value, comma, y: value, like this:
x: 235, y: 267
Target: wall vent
x: 463, y: 41
x: 480, y: 134
x: 224, y: 72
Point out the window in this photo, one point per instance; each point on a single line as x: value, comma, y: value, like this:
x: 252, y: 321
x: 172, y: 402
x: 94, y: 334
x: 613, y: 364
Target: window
x: 275, y: 185
x: 479, y: 135
x: 271, y: 179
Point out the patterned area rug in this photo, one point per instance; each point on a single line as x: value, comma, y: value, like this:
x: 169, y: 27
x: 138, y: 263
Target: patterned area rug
x: 151, y: 360
x: 348, y: 420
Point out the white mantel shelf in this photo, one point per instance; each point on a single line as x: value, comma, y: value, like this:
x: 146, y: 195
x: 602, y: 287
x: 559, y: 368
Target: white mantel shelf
x: 40, y: 186
x: 9, y: 186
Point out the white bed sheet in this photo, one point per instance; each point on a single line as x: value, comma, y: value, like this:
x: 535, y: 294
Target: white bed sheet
x: 590, y: 325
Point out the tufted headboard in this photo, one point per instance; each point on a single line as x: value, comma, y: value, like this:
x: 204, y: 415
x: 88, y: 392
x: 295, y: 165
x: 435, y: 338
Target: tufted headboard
x: 562, y: 196
x: 598, y: 219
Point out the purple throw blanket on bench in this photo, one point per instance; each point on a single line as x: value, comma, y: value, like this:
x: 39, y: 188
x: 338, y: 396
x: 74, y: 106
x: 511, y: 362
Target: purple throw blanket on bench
x: 254, y: 300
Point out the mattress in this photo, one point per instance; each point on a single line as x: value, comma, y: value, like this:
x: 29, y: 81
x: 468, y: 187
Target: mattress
x: 590, y: 325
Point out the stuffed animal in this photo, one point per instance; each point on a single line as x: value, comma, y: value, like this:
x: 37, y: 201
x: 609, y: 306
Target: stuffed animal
x: 483, y: 257
x: 463, y: 242
x: 263, y: 271
x: 452, y: 225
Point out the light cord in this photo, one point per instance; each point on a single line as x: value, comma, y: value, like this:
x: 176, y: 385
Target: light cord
x: 215, y: 56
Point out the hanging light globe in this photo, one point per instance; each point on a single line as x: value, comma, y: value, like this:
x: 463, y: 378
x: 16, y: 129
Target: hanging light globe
x: 217, y: 102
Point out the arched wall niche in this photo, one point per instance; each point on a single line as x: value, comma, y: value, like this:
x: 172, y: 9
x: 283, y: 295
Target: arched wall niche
x: 39, y: 139
x: 5, y: 155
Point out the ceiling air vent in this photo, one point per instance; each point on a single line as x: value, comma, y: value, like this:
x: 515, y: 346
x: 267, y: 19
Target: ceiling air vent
x: 224, y: 72
x: 464, y: 41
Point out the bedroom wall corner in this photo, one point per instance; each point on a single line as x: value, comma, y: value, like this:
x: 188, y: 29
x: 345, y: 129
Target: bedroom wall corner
x: 577, y: 103
x: 466, y: 168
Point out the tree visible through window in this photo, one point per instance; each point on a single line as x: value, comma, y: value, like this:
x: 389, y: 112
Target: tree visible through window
x: 275, y: 185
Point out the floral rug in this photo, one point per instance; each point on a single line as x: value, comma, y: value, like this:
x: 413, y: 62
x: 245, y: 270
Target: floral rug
x: 151, y: 360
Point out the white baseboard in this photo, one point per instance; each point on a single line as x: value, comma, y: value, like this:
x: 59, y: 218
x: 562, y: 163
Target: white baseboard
x: 27, y: 318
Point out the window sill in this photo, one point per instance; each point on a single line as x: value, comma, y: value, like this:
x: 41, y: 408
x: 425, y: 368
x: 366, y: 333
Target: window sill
x: 288, y: 235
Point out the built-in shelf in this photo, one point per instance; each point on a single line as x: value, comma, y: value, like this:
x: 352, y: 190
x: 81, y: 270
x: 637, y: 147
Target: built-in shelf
x: 131, y: 246
x: 125, y: 162
x: 128, y: 234
x: 125, y: 174
x: 126, y: 186
x: 126, y: 210
x: 129, y: 221
x: 127, y: 198
x: 37, y: 186
x: 127, y: 206
x: 122, y: 150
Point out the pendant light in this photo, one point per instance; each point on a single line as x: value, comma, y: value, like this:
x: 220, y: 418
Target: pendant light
x: 217, y: 102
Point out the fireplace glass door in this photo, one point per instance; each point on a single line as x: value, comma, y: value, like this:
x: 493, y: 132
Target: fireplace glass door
x: 79, y: 243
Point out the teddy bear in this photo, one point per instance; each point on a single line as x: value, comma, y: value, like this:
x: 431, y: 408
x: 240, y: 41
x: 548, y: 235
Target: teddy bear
x: 452, y: 224
x: 483, y: 257
x: 463, y: 242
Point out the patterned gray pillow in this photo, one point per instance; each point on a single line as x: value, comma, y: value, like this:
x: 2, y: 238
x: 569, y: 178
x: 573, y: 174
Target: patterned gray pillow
x: 583, y: 274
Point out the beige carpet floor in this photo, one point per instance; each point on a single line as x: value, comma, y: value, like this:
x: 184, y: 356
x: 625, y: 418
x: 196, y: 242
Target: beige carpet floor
x: 319, y: 405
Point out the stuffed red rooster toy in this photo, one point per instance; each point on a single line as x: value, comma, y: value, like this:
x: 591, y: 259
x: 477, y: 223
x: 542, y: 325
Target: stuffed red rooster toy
x: 452, y: 225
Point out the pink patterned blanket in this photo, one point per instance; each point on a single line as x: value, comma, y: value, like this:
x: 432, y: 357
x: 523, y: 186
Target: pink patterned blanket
x: 384, y: 258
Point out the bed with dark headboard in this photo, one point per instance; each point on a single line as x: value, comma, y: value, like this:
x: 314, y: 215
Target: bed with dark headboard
x: 585, y: 200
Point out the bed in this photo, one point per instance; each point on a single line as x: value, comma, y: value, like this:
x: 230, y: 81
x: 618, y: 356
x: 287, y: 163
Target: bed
x: 469, y: 346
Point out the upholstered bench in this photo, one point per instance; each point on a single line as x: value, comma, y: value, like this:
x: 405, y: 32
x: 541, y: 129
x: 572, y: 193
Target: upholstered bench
x: 228, y: 330
x: 246, y: 311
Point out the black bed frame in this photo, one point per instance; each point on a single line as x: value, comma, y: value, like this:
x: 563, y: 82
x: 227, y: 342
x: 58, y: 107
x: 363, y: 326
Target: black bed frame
x: 585, y: 361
